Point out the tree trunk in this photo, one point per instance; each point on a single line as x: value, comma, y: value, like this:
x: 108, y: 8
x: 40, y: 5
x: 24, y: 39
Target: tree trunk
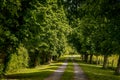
x: 105, y: 61
x: 91, y: 56
x: 5, y: 61
x: 118, y: 66
x: 54, y: 58
x: 112, y: 64
x: 36, y: 63
x: 97, y: 59
x: 36, y: 59
x: 101, y: 61
x: 82, y: 57
x: 43, y: 57
x: 48, y: 58
x: 86, y: 58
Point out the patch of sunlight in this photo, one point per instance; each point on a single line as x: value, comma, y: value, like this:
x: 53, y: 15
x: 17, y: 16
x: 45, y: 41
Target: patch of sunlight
x: 50, y: 67
x: 91, y: 65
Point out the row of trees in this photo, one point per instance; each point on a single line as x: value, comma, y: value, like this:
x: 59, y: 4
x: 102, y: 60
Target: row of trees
x: 32, y: 32
x: 96, y: 28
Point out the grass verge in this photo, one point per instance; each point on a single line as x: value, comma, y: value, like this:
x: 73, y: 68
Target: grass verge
x: 97, y: 73
x: 38, y: 73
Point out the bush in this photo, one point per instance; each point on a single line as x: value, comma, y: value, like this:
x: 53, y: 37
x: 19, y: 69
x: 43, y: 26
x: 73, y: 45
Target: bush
x: 18, y: 60
x: 1, y: 68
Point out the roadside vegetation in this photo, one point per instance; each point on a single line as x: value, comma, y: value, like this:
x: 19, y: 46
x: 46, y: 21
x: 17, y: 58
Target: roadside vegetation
x: 38, y: 73
x: 37, y: 32
x: 95, y: 71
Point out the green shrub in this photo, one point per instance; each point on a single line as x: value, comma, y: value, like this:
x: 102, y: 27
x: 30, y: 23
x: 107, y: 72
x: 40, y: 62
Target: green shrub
x: 18, y: 60
x: 1, y: 68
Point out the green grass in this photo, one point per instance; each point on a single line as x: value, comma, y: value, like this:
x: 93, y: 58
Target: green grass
x: 38, y: 73
x: 95, y: 72
x: 69, y: 71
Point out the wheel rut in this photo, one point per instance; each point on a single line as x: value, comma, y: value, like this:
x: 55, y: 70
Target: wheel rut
x: 58, y: 73
x: 79, y: 74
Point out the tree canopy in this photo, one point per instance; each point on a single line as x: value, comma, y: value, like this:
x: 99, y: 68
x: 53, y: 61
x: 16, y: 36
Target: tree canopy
x: 43, y: 29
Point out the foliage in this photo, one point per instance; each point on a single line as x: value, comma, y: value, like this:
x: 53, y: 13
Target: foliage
x: 18, y: 60
x: 40, y: 72
x: 94, y: 27
x: 47, y: 27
